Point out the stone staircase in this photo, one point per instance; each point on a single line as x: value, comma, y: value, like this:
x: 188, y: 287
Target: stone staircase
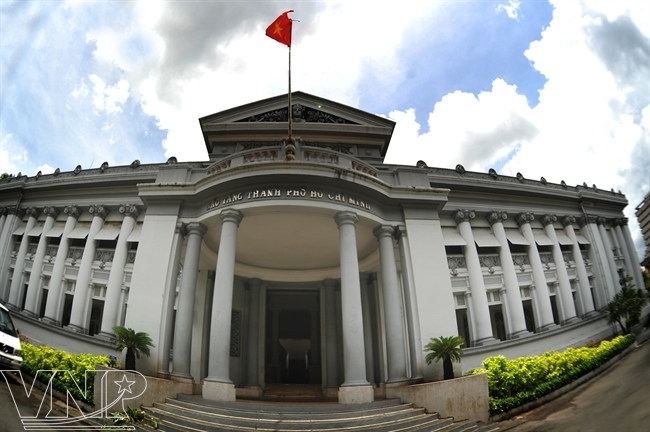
x: 192, y: 413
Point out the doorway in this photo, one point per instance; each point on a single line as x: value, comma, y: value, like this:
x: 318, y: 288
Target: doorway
x: 292, y: 337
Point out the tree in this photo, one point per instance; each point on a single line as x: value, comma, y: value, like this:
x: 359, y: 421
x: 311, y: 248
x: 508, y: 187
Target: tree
x: 446, y: 349
x: 625, y: 307
x: 135, y: 344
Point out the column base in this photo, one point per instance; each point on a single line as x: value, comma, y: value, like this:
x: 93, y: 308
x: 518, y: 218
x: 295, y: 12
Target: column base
x: 520, y: 334
x: 356, y: 394
x: 75, y: 329
x: 50, y: 321
x: 29, y: 314
x: 486, y: 341
x: 548, y: 327
x: 571, y: 320
x: 109, y: 337
x: 218, y: 391
x: 181, y: 378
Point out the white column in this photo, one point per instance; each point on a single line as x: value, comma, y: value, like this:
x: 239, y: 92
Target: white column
x: 354, y: 356
x: 17, y: 280
x: 568, y: 305
x: 110, y: 317
x: 218, y: 386
x: 479, y: 304
x: 600, y: 268
x: 541, y: 288
x: 514, y: 305
x: 253, y: 333
x: 166, y: 329
x: 634, y: 258
x: 186, y: 295
x: 80, y: 301
x: 55, y: 296
x: 13, y: 220
x: 620, y: 238
x: 34, y: 285
x: 583, y: 278
x: 367, y: 329
x: 396, y: 350
x: 411, y: 299
x: 609, y: 254
x: 330, y: 334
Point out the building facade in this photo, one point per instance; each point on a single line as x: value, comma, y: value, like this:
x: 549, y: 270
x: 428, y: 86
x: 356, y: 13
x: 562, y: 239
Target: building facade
x: 308, y: 260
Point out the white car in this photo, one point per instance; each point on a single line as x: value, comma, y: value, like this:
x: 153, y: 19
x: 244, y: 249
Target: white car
x: 10, y: 350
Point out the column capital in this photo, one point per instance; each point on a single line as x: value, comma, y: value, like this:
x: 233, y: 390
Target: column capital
x: 618, y: 222
x: 586, y: 220
x: 99, y: 211
x: 181, y: 229
x: 568, y: 220
x: 3, y: 211
x: 524, y: 218
x: 624, y: 221
x: 346, y: 217
x: 130, y: 210
x: 601, y: 220
x: 548, y: 219
x: 400, y: 231
x: 16, y: 211
x: 196, y: 228
x: 463, y: 216
x: 496, y: 217
x: 33, y: 212
x: 384, y: 231
x: 231, y: 215
x: 52, y: 212
x: 72, y: 211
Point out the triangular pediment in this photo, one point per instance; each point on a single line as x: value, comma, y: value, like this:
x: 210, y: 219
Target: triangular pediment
x: 306, y: 108
x: 316, y: 121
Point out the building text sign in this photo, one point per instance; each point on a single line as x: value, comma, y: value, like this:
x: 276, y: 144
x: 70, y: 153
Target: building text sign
x: 274, y: 193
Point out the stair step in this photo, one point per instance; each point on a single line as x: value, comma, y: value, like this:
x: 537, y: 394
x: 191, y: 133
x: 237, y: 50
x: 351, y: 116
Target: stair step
x: 191, y: 413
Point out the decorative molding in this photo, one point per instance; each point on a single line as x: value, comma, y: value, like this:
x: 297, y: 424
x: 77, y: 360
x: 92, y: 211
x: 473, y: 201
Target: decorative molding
x: 496, y: 216
x: 33, y: 212
x: 568, y: 257
x: 72, y: 211
x: 520, y: 260
x: 492, y: 173
x: 454, y: 263
x: 548, y: 219
x: 366, y: 169
x: 104, y: 256
x: 600, y: 220
x: 546, y: 258
x: 489, y: 261
x: 299, y: 113
x: 463, y: 216
x: 17, y: 211
x: 568, y: 220
x: 135, y: 164
x: 460, y: 169
x: 3, y: 211
x: 130, y: 210
x: 587, y: 219
x: 130, y: 257
x: 524, y: 218
x: 341, y: 148
x: 99, y: 211
x: 52, y: 212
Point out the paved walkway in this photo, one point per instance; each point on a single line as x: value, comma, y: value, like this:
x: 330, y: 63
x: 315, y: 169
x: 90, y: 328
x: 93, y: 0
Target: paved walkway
x: 618, y: 400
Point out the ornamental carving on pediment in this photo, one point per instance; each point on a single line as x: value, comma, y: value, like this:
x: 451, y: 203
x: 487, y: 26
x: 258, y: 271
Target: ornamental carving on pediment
x: 300, y: 113
x: 341, y: 148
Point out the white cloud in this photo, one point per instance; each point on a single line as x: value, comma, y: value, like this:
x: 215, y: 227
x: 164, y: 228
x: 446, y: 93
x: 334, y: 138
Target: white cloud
x: 45, y: 169
x: 12, y: 155
x: 512, y: 9
x: 108, y: 98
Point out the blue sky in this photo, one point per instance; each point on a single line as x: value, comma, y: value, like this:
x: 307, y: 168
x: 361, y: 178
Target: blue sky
x: 559, y: 89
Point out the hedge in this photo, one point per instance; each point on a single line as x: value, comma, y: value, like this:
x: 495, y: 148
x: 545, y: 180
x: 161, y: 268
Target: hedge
x: 513, y: 383
x: 44, y: 358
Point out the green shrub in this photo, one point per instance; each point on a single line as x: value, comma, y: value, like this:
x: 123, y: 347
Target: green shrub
x: 513, y: 383
x: 45, y: 358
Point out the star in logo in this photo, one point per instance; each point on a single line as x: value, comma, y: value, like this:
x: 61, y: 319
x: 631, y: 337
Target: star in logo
x: 125, y: 385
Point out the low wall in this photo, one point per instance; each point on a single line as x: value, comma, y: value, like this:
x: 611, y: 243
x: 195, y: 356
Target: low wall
x: 145, y: 390
x: 464, y: 398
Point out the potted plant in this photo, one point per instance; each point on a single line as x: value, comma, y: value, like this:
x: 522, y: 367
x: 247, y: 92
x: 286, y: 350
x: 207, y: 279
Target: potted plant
x: 446, y: 349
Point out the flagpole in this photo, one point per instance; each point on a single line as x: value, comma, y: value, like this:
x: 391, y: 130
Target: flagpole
x: 289, y: 111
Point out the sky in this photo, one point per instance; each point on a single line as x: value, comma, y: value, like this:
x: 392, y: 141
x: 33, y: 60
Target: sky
x: 557, y: 88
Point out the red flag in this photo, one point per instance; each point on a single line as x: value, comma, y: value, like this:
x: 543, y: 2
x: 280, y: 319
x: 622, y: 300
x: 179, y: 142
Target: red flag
x: 280, y: 29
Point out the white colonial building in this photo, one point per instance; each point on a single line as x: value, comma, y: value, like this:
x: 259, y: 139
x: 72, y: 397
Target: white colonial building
x: 308, y: 261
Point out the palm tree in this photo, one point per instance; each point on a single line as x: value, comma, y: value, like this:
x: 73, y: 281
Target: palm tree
x: 446, y: 349
x: 135, y: 344
x: 625, y: 307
